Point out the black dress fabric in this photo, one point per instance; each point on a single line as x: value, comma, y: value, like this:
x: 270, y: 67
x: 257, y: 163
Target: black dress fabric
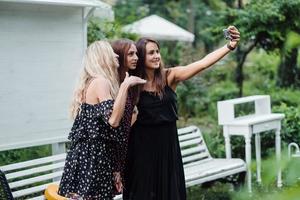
x: 5, y: 192
x: 94, y: 152
x: 154, y: 169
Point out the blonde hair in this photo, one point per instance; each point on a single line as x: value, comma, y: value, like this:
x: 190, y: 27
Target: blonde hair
x: 99, y: 60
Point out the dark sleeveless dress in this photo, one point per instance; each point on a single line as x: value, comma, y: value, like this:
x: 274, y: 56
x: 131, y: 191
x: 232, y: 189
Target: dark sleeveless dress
x: 97, y: 150
x: 154, y: 169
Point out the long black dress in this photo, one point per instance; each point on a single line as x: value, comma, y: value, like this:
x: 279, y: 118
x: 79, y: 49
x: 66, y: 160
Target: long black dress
x: 97, y: 150
x: 154, y: 169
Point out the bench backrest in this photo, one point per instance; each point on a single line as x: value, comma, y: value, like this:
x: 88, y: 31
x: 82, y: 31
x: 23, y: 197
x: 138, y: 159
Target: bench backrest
x: 29, y: 177
x: 192, y: 144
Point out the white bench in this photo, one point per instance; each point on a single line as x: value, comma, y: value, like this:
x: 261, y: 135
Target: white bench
x: 29, y: 179
x: 33, y: 176
x: 199, y: 166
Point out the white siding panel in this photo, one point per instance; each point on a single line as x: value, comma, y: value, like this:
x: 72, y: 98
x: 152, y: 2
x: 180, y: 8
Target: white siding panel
x: 40, y: 55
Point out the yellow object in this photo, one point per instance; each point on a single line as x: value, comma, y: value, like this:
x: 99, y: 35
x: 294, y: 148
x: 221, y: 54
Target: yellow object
x: 51, y: 193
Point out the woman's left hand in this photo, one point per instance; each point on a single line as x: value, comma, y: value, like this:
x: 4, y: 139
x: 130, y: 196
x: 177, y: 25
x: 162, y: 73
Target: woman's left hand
x: 133, y: 80
x: 235, y: 35
x: 118, y: 182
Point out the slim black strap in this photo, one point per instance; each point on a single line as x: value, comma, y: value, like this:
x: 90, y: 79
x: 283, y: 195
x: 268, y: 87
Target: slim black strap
x: 167, y: 72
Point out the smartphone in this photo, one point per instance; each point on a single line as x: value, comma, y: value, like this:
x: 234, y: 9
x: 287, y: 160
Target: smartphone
x: 227, y: 34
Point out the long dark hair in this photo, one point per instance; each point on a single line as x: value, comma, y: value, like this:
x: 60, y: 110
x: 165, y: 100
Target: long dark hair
x: 159, y: 74
x: 121, y: 47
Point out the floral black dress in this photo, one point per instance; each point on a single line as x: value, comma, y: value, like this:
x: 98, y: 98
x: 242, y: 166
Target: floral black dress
x: 97, y: 150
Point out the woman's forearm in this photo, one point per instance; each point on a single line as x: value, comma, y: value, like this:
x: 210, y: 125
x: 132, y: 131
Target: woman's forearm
x: 215, y: 56
x: 119, y: 105
x: 186, y: 72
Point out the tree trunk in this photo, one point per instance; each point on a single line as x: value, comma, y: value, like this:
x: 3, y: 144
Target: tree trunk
x: 287, y: 69
x: 241, y: 55
x: 239, y: 76
x: 240, y: 4
x: 191, y: 20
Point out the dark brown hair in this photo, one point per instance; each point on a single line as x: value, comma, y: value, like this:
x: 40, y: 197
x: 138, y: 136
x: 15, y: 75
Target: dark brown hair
x: 121, y: 47
x: 159, y: 74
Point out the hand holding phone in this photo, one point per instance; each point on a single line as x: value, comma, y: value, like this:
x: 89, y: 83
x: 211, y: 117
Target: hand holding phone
x: 227, y: 34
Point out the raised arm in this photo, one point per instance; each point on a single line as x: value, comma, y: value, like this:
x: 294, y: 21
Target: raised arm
x: 182, y: 73
x: 100, y: 88
x: 121, y: 98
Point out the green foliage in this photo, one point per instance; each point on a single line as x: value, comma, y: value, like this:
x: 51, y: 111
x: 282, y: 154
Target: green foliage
x: 221, y: 91
x: 127, y: 11
x: 215, y: 191
x: 99, y: 30
x: 171, y: 53
x: 19, y: 155
x: 293, y: 40
x: 215, y: 141
x: 260, y: 74
x: 265, y: 24
x: 267, y: 21
x: 290, y: 97
x: 190, y: 95
x: 94, y: 32
x: 289, y: 70
x: 291, y: 123
x: 260, y: 78
x: 268, y: 190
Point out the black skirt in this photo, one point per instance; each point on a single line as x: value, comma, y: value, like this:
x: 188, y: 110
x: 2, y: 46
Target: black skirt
x: 154, y: 169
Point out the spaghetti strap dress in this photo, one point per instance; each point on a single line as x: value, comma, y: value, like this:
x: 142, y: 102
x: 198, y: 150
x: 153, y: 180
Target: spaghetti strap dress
x: 96, y: 151
x: 154, y: 169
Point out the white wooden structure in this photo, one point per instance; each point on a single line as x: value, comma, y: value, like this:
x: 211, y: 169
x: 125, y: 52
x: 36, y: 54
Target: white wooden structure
x: 41, y: 48
x: 262, y: 120
x: 199, y: 167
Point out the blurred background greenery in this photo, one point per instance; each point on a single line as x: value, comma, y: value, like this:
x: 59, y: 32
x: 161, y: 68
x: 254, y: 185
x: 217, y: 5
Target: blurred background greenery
x: 266, y: 62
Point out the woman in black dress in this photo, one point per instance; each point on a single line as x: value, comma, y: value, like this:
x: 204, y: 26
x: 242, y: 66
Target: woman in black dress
x: 154, y: 169
x: 99, y: 104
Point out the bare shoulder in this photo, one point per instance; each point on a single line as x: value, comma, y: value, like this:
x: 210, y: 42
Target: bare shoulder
x: 171, y: 75
x: 100, y: 83
x: 99, y: 89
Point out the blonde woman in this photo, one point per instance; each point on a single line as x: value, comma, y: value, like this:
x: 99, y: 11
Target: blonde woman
x: 98, y: 106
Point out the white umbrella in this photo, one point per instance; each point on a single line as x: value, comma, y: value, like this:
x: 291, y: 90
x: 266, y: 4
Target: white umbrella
x: 158, y: 28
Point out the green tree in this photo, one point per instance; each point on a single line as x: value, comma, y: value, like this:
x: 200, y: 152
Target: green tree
x: 288, y: 70
x: 266, y: 24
